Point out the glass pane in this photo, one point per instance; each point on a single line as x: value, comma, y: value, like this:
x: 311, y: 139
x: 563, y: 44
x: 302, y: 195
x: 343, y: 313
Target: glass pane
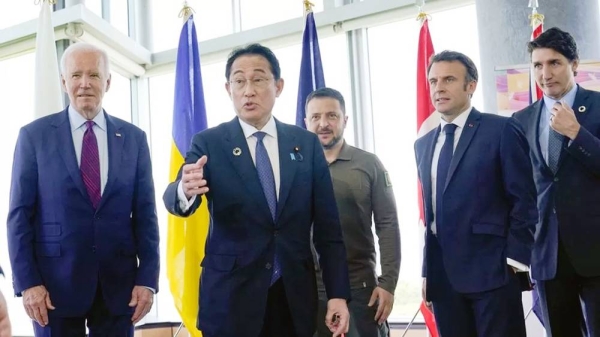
x: 117, y: 101
x: 119, y: 15
x: 258, y: 13
x: 17, y: 73
x: 15, y: 12
x: 212, y: 18
x: 95, y: 6
x: 393, y: 58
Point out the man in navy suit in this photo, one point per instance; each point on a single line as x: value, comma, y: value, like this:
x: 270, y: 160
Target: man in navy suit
x: 267, y: 183
x: 82, y: 227
x: 563, y: 130
x: 480, y: 209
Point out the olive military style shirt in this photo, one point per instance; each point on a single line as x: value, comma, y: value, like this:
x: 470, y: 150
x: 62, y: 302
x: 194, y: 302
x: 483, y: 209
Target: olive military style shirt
x: 363, y: 192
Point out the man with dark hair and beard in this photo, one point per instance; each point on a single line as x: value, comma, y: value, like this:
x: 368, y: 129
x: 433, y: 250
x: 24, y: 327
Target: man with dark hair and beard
x: 362, y: 191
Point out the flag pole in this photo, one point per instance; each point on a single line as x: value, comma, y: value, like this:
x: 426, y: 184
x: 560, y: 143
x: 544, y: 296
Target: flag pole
x: 185, y: 14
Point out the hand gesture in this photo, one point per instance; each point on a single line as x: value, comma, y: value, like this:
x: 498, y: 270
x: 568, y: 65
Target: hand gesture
x: 192, y: 178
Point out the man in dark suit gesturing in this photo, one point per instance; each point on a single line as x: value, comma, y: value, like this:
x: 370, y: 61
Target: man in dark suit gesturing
x: 82, y: 227
x: 563, y: 129
x: 266, y: 184
x: 480, y: 209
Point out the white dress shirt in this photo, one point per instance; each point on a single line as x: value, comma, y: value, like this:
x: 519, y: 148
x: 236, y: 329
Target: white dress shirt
x: 78, y: 128
x: 460, y: 122
x: 271, y: 144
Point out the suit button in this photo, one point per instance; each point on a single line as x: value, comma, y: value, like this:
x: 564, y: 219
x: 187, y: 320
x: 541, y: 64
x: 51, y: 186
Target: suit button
x: 97, y: 217
x: 556, y: 179
x: 554, y: 210
x: 93, y: 249
x: 275, y: 232
x: 268, y: 265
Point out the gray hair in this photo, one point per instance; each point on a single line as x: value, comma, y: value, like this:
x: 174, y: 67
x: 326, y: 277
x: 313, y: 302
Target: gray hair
x: 82, y: 46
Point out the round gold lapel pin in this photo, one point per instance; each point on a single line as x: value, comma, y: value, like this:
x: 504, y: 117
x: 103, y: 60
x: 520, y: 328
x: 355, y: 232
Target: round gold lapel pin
x: 237, y: 151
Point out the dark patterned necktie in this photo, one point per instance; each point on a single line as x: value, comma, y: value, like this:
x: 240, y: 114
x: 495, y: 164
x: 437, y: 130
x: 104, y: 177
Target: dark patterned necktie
x: 267, y: 180
x: 442, y: 171
x: 90, y: 164
x: 555, y: 142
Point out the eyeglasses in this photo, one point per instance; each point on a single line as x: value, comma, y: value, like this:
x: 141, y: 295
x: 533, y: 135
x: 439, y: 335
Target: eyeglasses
x: 258, y: 83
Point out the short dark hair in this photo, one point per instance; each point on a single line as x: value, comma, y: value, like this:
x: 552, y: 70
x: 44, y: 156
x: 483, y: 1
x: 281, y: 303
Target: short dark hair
x: 558, y: 40
x: 454, y: 56
x: 327, y: 93
x: 254, y: 49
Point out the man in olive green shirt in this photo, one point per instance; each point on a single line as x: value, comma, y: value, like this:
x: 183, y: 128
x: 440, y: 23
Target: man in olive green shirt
x: 363, y: 191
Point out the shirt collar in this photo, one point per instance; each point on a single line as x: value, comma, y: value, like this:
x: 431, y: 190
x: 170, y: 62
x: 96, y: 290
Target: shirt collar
x: 345, y: 152
x: 460, y: 120
x: 77, y: 120
x: 270, y: 128
x: 568, y: 98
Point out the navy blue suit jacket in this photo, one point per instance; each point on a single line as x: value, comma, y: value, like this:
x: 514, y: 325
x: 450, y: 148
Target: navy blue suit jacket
x: 242, y: 237
x: 489, y: 211
x: 568, y: 201
x: 57, y: 239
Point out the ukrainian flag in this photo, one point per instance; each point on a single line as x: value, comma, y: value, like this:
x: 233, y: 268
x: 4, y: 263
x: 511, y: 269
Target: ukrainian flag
x: 186, y: 236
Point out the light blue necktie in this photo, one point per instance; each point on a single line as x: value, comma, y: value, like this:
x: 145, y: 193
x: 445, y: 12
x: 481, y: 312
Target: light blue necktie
x: 267, y: 180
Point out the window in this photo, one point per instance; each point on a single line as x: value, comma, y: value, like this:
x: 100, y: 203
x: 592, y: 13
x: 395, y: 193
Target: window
x: 16, y: 12
x: 95, y: 6
x: 258, y: 13
x: 212, y: 19
x: 393, y: 78
x: 18, y: 73
x: 119, y: 15
x: 117, y: 101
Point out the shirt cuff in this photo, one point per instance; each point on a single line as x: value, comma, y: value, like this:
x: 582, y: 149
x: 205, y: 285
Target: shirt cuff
x: 518, y: 265
x: 184, y: 203
x: 151, y: 289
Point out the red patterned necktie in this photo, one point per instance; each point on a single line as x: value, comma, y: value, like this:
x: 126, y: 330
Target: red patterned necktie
x: 90, y: 164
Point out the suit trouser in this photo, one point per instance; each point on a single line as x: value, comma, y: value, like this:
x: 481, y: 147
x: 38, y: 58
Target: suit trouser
x: 494, y: 313
x: 569, y: 301
x: 278, y: 318
x: 100, y: 322
x: 362, y: 317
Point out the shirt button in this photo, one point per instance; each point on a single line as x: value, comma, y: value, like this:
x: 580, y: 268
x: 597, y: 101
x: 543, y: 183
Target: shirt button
x: 268, y: 266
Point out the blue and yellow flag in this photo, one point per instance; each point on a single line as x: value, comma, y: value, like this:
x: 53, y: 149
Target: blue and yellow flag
x: 186, y: 236
x: 311, y: 68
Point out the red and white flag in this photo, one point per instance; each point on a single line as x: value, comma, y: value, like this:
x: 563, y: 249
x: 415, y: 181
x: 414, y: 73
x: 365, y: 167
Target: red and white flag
x: 537, y: 22
x: 426, y: 121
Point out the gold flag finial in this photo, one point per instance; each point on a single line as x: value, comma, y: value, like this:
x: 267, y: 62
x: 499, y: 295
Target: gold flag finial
x: 186, y: 11
x: 422, y: 16
x: 37, y: 2
x: 308, y: 6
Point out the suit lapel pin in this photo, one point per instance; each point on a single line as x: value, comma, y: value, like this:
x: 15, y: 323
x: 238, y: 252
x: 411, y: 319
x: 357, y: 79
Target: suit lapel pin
x: 118, y: 134
x: 581, y: 109
x: 237, y: 151
x: 470, y: 125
